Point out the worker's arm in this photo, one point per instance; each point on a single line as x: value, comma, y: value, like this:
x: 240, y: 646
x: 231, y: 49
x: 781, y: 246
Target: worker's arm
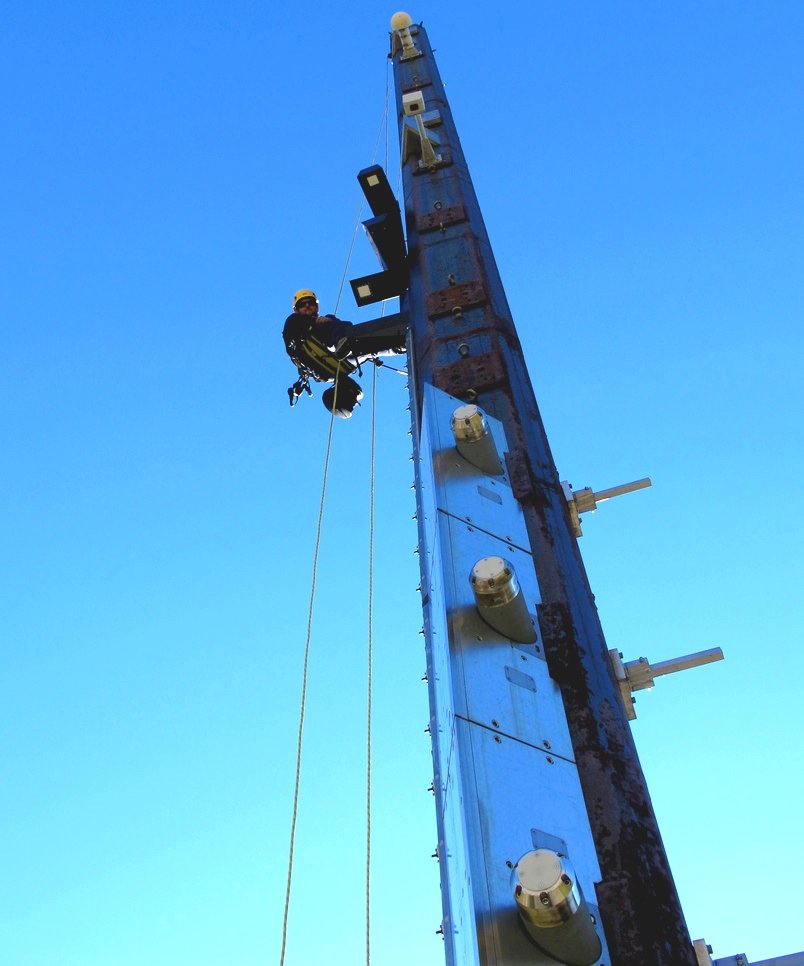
x: 297, y: 327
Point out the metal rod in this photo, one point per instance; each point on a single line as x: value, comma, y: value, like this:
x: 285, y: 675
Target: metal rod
x: 612, y: 491
x: 688, y: 661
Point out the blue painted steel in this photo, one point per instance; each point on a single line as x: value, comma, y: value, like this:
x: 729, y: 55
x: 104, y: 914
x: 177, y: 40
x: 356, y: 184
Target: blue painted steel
x: 496, y: 791
x: 502, y: 755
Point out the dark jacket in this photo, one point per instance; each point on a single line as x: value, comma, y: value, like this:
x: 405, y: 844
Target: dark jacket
x: 309, y: 343
x: 297, y: 327
x: 326, y: 328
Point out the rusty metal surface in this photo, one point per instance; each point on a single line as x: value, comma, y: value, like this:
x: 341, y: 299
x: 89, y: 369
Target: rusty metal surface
x: 636, y: 875
x: 441, y: 218
x: 464, y: 296
x: 519, y: 473
x: 477, y: 373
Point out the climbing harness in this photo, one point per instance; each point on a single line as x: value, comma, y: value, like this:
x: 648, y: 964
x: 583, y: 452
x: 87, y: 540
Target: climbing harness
x: 315, y: 361
x: 302, y: 384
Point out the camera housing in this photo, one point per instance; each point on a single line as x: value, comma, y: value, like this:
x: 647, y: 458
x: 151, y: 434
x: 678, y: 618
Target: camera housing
x: 413, y: 103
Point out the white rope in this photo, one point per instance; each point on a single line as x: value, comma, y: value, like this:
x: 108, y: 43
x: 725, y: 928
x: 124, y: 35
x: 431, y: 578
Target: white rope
x: 383, y: 124
x: 370, y: 668
x: 370, y: 655
x: 303, y: 702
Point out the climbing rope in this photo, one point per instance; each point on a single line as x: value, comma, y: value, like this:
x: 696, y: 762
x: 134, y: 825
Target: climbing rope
x: 369, y: 675
x: 303, y: 703
x: 370, y: 661
x: 383, y: 124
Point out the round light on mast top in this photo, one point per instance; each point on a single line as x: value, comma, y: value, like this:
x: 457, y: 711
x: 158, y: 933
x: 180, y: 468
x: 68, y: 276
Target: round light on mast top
x: 401, y: 20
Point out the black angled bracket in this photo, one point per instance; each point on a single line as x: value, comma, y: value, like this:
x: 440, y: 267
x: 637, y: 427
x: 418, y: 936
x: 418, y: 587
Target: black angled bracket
x: 387, y: 240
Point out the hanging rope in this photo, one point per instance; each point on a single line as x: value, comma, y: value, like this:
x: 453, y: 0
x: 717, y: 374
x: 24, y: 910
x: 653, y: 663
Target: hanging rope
x: 370, y: 662
x: 383, y: 124
x: 303, y: 703
x: 369, y: 673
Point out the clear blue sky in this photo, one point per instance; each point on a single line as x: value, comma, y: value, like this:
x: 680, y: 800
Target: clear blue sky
x: 170, y: 174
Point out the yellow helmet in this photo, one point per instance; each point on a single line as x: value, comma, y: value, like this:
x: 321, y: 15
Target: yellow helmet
x: 304, y: 293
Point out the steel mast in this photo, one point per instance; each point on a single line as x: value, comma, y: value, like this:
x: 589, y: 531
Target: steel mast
x: 548, y: 842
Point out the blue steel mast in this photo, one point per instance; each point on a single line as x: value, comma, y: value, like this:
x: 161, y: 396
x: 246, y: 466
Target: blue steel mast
x: 548, y: 843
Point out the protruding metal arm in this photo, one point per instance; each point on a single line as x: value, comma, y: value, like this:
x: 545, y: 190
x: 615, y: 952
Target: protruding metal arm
x: 601, y: 495
x: 638, y: 675
x: 586, y: 500
x: 686, y: 662
x: 414, y: 107
x: 703, y: 952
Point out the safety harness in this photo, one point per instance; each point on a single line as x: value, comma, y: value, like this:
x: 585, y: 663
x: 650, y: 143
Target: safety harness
x: 315, y: 361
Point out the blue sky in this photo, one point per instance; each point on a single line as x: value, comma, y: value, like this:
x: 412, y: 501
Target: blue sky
x: 170, y: 174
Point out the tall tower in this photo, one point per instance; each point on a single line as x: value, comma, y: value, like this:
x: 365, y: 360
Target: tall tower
x: 548, y: 844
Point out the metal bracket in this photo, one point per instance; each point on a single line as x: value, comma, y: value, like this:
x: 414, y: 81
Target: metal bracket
x: 639, y: 675
x: 441, y: 218
x: 442, y: 160
x: 417, y: 138
x: 586, y: 500
x: 477, y: 373
x: 454, y: 297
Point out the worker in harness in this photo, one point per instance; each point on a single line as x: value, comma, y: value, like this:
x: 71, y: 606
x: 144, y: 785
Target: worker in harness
x: 319, y: 346
x: 305, y: 321
x: 323, y: 347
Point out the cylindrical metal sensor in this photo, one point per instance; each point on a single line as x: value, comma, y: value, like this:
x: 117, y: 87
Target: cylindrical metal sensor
x: 469, y: 423
x: 552, y: 908
x: 545, y: 889
x: 499, y: 600
x: 494, y: 582
x: 473, y: 439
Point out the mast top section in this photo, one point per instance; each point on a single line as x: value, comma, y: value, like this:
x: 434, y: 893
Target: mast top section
x: 401, y: 20
x: 401, y: 23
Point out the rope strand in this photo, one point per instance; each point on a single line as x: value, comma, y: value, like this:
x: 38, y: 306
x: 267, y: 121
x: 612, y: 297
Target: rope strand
x: 383, y: 124
x: 302, y: 709
x: 304, y: 682
x: 369, y: 681
x: 370, y: 662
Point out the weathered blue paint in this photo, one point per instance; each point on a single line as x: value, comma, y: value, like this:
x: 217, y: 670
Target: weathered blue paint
x: 500, y: 790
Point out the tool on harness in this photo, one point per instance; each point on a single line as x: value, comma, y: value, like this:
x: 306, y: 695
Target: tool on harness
x: 315, y: 361
x: 302, y: 384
